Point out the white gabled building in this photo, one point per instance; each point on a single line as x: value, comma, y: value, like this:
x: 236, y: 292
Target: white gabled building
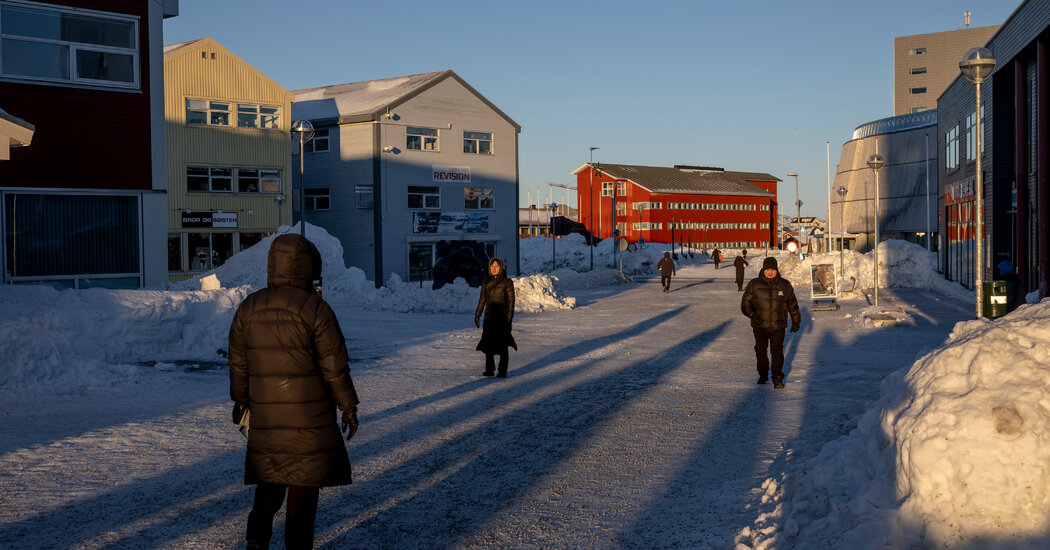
x: 400, y: 164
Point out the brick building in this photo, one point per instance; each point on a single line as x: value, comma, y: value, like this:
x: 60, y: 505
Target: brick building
x: 925, y: 64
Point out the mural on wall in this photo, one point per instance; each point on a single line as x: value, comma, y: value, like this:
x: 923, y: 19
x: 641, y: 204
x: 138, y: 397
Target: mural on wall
x: 450, y: 222
x: 466, y: 259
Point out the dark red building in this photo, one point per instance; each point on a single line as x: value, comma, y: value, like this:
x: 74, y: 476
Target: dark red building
x: 85, y: 204
x: 705, y: 207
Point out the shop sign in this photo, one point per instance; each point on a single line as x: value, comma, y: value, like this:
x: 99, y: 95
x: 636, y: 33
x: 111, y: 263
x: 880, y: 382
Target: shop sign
x: 457, y: 174
x: 210, y: 219
x: 959, y: 192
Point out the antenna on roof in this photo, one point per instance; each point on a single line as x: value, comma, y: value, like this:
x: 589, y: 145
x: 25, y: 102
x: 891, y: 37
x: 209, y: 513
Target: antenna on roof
x: 966, y: 17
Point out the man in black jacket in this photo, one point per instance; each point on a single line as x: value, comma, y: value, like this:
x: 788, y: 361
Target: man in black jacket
x: 768, y: 301
x: 288, y: 369
x: 739, y: 264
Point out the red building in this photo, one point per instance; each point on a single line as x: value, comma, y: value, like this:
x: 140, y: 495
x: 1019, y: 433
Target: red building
x: 86, y: 204
x: 705, y: 207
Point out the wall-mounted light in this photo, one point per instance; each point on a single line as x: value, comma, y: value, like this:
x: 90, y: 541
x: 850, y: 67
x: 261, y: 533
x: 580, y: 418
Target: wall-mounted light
x: 250, y: 211
x: 387, y: 149
x: 188, y: 211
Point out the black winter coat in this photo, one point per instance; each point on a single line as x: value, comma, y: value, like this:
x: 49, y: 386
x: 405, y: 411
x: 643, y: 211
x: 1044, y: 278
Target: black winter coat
x: 769, y: 302
x: 288, y: 363
x: 497, y: 301
x: 739, y: 264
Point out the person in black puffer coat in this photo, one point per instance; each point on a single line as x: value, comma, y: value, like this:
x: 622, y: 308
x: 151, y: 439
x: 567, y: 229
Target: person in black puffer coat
x: 768, y: 301
x: 497, y: 301
x: 288, y: 369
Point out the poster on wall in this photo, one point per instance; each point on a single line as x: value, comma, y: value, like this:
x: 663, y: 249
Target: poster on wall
x: 824, y: 283
x: 450, y: 222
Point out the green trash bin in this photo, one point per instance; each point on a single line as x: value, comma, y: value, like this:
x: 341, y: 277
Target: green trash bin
x: 994, y: 299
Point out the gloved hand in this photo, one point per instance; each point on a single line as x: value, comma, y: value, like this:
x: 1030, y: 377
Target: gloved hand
x: 477, y: 322
x: 795, y: 327
x: 238, y: 412
x: 350, y: 423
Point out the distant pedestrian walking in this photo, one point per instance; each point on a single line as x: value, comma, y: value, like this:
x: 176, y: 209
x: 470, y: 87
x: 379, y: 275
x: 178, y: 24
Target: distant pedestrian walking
x: 497, y: 302
x: 716, y: 255
x: 667, y: 269
x: 739, y: 264
x: 288, y: 369
x: 768, y: 301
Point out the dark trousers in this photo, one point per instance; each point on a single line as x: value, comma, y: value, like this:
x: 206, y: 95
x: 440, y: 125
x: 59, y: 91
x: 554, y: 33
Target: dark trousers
x: 490, y: 362
x: 299, y: 523
x: 774, y: 340
x: 666, y: 281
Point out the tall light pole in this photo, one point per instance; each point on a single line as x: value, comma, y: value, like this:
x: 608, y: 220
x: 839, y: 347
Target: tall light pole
x: 305, y: 132
x: 798, y: 204
x: 842, y: 228
x: 875, y: 162
x: 827, y: 221
x: 590, y: 191
x: 977, y: 64
x: 554, y: 257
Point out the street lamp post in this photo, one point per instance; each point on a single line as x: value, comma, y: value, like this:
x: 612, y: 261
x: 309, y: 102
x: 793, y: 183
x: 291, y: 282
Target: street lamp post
x: 279, y: 199
x: 842, y: 228
x: 305, y: 131
x: 798, y: 204
x: 875, y: 162
x: 554, y: 257
x: 977, y: 64
x: 590, y: 191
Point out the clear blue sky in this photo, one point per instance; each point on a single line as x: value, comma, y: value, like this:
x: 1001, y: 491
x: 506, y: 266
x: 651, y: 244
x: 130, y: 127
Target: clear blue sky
x: 746, y: 85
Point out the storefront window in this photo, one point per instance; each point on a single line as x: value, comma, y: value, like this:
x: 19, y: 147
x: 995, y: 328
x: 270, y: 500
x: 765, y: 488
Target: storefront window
x: 174, y: 252
x: 420, y: 262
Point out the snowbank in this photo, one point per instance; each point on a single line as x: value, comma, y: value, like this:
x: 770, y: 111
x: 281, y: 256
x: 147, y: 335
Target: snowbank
x: 574, y: 259
x: 956, y: 453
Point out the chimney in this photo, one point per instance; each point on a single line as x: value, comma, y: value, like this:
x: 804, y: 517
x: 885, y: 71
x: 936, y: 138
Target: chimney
x: 966, y: 17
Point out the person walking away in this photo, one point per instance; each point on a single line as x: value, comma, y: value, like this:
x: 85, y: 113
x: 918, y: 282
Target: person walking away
x: 768, y: 301
x: 667, y: 269
x: 288, y: 369
x: 716, y: 255
x: 497, y: 301
x: 739, y: 262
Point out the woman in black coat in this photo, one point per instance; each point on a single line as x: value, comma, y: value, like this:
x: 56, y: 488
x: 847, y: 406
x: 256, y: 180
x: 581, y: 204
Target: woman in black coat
x: 497, y: 301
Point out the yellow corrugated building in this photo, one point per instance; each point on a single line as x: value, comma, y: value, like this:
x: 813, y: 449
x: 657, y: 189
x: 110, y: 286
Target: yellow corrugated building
x: 229, y: 155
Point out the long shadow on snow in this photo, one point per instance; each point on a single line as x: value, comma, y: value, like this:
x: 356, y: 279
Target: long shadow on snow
x: 439, y: 497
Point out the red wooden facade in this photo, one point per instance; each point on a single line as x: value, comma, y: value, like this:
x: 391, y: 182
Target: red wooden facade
x: 85, y: 138
x: 750, y: 222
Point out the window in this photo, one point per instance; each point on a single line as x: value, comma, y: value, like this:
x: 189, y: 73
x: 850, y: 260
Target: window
x: 951, y: 148
x: 646, y: 205
x: 201, y: 179
x: 916, y: 51
x: 56, y: 44
x: 478, y: 198
x: 918, y: 70
x: 607, y: 188
x: 479, y: 143
x: 257, y: 116
x: 248, y: 240
x: 918, y: 109
x: 174, y: 251
x: 319, y: 143
x: 202, y: 111
x: 421, y: 139
x: 209, y: 250
x: 317, y: 198
x: 251, y: 180
x: 363, y: 195
x: 420, y: 261
x: 971, y: 137
x: 917, y: 90
x: 424, y: 197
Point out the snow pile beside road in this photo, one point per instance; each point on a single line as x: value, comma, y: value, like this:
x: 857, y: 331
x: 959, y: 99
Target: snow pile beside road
x: 901, y: 265
x: 68, y: 340
x: 533, y: 294
x: 573, y: 253
x: 956, y: 453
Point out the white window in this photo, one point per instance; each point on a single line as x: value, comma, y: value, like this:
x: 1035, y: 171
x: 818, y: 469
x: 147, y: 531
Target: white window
x: 44, y: 42
x: 421, y: 139
x: 478, y: 198
x: 252, y: 180
x: 478, y: 143
x: 951, y: 148
x: 209, y: 179
x: 363, y: 194
x: 424, y: 197
x: 607, y: 188
x: 621, y: 208
x: 203, y: 111
x: 917, y: 51
x: 317, y: 198
x: 257, y: 116
x: 918, y: 70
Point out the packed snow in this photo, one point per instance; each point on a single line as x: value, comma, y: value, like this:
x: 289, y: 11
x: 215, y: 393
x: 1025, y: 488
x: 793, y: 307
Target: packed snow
x: 953, y: 451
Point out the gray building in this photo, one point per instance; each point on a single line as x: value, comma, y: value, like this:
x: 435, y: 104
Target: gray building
x: 400, y: 164
x: 925, y: 64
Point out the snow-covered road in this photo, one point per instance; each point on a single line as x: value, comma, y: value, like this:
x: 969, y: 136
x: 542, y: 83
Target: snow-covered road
x: 630, y: 421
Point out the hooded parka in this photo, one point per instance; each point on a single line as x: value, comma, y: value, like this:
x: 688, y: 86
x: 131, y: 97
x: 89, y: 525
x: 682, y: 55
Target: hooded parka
x: 497, y: 301
x: 769, y: 302
x: 288, y: 365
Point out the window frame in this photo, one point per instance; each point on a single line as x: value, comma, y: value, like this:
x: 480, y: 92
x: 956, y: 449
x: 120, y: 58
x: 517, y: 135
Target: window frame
x: 259, y: 177
x: 425, y: 193
x: 313, y: 195
x: 258, y: 116
x: 211, y: 176
x: 476, y: 140
x: 917, y: 70
x: 359, y: 192
x: 423, y: 139
x: 479, y: 196
x: 209, y: 110
x: 917, y: 91
x: 73, y: 48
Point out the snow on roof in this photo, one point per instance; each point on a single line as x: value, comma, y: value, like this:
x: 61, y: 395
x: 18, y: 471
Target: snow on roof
x: 659, y: 179
x: 357, y: 99
x: 172, y: 47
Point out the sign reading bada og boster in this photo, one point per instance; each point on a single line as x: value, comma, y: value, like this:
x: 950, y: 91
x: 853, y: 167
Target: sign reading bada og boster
x: 459, y: 174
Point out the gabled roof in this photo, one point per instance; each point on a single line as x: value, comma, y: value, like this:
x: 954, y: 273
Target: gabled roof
x: 658, y: 179
x: 368, y: 100
x: 173, y: 47
x: 173, y: 51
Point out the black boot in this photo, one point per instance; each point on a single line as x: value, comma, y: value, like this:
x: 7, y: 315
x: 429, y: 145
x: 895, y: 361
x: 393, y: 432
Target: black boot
x: 763, y: 378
